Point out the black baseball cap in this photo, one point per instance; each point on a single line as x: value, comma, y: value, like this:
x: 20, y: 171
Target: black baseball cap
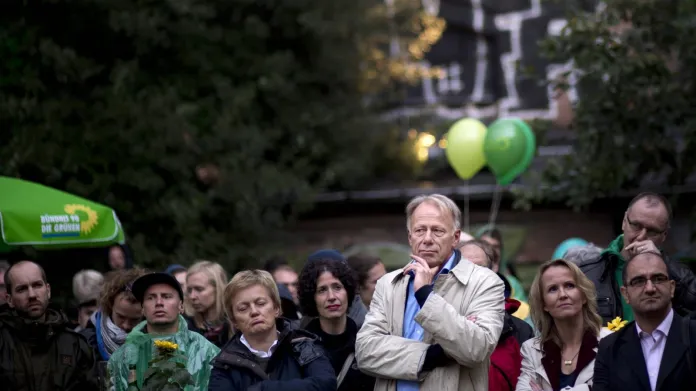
x: 141, y: 284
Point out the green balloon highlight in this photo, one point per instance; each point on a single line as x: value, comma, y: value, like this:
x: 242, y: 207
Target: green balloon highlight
x: 465, y: 147
x: 509, y: 148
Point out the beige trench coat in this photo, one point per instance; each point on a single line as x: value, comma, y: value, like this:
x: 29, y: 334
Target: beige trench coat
x: 468, y: 290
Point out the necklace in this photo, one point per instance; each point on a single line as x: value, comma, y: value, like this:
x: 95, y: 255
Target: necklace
x: 570, y: 362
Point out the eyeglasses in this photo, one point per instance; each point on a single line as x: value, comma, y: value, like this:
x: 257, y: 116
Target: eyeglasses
x: 636, y: 226
x: 640, y: 282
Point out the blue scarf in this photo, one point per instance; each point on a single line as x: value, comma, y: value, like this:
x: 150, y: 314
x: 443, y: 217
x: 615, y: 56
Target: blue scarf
x: 109, y: 336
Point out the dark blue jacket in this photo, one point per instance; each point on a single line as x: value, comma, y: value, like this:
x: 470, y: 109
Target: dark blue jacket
x: 297, y: 364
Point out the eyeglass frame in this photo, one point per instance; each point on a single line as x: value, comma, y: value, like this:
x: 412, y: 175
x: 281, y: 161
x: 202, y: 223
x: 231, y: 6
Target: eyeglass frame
x: 642, y: 284
x: 637, y: 226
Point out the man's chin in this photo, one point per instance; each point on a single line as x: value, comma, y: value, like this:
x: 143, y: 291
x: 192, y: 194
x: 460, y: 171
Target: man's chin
x: 433, y: 260
x: 161, y: 321
x: 33, y: 313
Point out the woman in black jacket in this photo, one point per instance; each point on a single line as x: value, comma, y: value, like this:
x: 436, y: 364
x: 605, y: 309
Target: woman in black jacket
x: 327, y: 289
x: 266, y: 353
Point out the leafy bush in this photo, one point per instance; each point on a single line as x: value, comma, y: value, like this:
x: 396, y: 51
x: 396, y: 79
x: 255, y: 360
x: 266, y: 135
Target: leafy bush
x: 635, y: 67
x: 206, y: 124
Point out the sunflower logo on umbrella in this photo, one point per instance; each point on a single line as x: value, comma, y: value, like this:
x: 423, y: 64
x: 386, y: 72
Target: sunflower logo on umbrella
x: 86, y: 226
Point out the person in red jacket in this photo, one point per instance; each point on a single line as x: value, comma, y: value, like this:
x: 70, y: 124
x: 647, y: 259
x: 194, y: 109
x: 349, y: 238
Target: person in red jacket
x: 506, y: 360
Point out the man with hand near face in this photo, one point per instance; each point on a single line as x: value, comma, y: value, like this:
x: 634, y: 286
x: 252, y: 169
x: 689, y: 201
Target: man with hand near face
x: 162, y: 299
x: 645, y: 226
x: 38, y: 350
x: 417, y: 331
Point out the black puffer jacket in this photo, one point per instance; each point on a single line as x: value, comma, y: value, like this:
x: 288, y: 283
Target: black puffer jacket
x: 297, y: 364
x: 43, y: 356
x: 601, y: 271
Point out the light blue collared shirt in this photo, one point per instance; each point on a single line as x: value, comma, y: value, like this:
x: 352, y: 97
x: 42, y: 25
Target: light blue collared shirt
x: 412, y: 330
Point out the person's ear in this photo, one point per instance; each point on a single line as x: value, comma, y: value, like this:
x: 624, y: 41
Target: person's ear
x: 672, y: 287
x: 457, y: 236
x: 624, y: 293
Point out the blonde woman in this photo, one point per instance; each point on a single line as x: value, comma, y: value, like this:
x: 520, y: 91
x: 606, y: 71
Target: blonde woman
x: 267, y: 353
x: 563, y: 306
x: 204, y: 304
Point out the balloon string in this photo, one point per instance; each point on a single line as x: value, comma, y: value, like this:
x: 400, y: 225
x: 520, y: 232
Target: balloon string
x: 466, y: 206
x: 495, y: 205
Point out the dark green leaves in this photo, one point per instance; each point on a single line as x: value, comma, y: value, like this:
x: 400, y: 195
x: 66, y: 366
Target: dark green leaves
x: 205, y: 124
x: 635, y: 65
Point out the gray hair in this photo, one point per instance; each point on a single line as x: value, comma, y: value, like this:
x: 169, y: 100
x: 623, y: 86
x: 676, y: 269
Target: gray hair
x: 445, y: 204
x: 87, y: 285
x: 582, y: 254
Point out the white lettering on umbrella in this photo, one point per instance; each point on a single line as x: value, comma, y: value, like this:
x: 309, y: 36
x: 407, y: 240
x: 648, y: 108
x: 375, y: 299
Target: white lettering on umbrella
x: 66, y: 223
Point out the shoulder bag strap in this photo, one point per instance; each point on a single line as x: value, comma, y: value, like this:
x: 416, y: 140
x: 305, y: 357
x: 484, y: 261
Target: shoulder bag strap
x: 686, y: 337
x: 344, y: 370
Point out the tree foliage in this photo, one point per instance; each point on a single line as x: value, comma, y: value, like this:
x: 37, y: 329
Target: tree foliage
x: 634, y: 63
x: 205, y: 123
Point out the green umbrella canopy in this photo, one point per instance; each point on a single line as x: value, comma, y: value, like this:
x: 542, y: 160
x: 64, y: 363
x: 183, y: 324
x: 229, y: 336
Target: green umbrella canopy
x: 45, y: 218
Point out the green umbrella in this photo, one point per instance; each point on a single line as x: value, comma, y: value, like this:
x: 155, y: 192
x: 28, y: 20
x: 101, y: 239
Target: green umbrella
x: 46, y: 218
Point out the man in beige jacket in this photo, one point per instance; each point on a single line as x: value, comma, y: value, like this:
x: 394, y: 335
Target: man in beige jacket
x: 417, y: 335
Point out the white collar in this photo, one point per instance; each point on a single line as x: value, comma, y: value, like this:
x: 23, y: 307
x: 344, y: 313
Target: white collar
x: 663, y: 327
x: 259, y: 353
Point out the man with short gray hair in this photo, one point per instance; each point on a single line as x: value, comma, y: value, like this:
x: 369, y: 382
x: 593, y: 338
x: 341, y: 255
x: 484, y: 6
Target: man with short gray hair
x: 417, y: 331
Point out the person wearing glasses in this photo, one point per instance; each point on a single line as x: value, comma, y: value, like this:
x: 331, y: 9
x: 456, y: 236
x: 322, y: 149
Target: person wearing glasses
x: 645, y: 225
x: 650, y: 354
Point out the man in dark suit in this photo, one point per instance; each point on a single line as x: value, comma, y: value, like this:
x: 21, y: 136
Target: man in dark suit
x: 649, y: 354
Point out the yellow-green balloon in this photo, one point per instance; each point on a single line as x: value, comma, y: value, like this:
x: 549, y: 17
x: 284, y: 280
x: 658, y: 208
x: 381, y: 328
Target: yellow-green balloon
x: 465, y: 147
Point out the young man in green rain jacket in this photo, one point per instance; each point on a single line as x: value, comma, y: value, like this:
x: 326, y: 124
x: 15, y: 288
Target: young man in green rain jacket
x: 162, y: 300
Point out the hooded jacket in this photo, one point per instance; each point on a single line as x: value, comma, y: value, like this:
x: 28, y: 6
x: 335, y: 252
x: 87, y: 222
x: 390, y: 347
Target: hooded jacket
x: 43, y: 355
x: 139, y: 350
x: 298, y: 363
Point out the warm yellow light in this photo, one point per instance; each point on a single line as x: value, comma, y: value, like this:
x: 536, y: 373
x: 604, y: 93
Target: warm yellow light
x: 422, y: 154
x: 442, y: 143
x: 426, y: 140
x: 412, y: 134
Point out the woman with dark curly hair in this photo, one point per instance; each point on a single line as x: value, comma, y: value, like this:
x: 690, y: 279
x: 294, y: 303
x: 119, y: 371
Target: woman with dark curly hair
x: 327, y: 289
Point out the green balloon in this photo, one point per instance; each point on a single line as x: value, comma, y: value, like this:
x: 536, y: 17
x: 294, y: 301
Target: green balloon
x: 509, y: 148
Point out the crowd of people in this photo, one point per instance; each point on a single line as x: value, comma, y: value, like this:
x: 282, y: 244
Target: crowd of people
x: 449, y: 319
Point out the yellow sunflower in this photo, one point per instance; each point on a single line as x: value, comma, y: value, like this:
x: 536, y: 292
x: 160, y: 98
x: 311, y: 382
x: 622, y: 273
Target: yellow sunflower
x: 166, y: 346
